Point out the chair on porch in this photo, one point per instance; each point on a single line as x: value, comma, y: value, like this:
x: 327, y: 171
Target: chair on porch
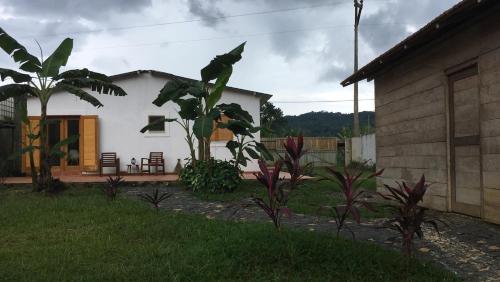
x: 155, y: 160
x: 109, y: 160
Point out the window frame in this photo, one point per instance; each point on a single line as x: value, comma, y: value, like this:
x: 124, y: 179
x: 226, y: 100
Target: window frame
x: 164, y: 130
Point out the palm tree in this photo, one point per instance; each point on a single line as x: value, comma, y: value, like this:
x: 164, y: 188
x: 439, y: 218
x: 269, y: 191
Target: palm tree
x: 41, y: 79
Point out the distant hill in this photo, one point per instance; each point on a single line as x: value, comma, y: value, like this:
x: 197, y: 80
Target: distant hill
x: 326, y: 123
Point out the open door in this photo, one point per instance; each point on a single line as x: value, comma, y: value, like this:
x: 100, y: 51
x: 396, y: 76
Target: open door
x: 465, y: 142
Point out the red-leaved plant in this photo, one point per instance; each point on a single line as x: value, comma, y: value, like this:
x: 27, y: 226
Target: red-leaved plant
x: 274, y: 207
x: 278, y: 189
x: 409, y: 217
x: 294, y: 151
x: 350, y: 184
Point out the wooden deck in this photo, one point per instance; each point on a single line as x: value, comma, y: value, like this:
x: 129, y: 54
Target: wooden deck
x: 102, y: 179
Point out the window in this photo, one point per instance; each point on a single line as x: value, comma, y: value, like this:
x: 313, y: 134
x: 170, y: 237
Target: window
x: 158, y: 126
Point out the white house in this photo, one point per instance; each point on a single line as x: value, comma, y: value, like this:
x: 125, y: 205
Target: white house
x: 115, y: 127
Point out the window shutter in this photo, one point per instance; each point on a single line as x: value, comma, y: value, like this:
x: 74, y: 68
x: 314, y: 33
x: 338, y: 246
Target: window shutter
x: 34, y: 122
x: 222, y: 134
x: 90, y: 140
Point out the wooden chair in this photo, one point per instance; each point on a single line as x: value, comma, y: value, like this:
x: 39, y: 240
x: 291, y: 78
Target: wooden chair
x: 155, y: 160
x: 109, y: 160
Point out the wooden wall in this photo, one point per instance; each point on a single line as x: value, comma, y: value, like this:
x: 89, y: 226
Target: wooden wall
x: 412, y: 116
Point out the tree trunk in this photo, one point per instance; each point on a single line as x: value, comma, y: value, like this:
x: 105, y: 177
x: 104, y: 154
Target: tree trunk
x: 45, y: 178
x: 207, y: 148
x: 34, y: 176
x: 201, y: 150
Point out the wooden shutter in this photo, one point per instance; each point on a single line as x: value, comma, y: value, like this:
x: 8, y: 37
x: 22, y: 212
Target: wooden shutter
x: 90, y: 139
x: 221, y: 134
x: 34, y: 122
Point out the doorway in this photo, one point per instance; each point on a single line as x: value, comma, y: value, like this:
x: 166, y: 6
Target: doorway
x: 465, y: 143
x: 59, y: 129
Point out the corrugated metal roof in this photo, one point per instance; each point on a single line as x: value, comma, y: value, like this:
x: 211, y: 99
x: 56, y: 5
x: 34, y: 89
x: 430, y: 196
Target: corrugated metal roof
x: 453, y: 18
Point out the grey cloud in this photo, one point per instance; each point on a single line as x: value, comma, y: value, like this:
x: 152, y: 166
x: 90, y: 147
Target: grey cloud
x: 95, y: 10
x: 206, y: 10
x: 388, y: 26
x: 334, y: 73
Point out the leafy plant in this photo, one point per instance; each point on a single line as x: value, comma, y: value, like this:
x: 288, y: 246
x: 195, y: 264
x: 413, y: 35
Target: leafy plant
x: 41, y: 78
x: 111, y: 189
x: 155, y: 198
x: 274, y: 207
x: 279, y: 191
x: 294, y: 151
x: 244, y: 129
x: 409, y: 217
x: 213, y: 176
x: 56, y: 187
x: 350, y: 183
x: 198, y: 100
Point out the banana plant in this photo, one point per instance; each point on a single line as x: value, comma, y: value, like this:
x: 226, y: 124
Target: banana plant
x: 243, y: 129
x: 41, y: 78
x: 198, y: 102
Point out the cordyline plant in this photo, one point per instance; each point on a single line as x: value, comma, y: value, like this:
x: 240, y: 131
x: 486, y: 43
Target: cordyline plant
x: 155, y: 198
x: 111, y: 190
x: 350, y: 183
x: 274, y: 206
x: 294, y: 151
x: 41, y: 78
x: 409, y: 217
x: 279, y: 190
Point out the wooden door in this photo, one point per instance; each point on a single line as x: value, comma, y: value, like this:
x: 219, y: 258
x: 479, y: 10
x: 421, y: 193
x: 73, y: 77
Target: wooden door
x: 465, y: 142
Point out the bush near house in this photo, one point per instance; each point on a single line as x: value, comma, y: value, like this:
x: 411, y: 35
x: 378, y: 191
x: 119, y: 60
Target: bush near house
x: 213, y: 176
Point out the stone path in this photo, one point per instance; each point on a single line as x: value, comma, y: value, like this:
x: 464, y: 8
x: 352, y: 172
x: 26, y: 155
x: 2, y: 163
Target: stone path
x: 467, y: 246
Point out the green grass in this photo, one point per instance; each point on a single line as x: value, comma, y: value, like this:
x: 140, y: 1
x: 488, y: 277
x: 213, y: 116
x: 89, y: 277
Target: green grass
x: 79, y: 236
x: 310, y: 198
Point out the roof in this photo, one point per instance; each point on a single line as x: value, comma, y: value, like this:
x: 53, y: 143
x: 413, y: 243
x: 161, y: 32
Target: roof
x: 264, y: 97
x: 454, y: 18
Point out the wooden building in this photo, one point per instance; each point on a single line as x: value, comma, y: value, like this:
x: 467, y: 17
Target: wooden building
x: 437, y: 102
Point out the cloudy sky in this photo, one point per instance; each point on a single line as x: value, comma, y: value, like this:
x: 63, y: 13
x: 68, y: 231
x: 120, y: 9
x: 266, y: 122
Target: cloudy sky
x: 299, y: 51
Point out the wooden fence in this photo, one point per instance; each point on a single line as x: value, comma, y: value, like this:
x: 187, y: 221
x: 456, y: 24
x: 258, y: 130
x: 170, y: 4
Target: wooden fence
x: 320, y: 150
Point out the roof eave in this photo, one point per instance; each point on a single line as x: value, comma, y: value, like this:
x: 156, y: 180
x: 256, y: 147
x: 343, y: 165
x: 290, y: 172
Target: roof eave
x: 445, y: 22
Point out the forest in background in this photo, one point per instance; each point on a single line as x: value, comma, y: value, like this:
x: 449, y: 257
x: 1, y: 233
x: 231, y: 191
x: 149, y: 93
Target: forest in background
x: 312, y: 124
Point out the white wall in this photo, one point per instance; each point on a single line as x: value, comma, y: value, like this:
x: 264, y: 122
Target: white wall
x: 121, y: 118
x: 363, y: 148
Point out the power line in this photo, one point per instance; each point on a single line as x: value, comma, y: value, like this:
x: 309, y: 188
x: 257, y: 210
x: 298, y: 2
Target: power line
x: 195, y: 20
x: 227, y: 37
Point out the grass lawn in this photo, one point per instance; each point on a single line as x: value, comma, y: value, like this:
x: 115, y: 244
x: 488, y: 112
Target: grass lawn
x: 79, y: 236
x: 308, y: 199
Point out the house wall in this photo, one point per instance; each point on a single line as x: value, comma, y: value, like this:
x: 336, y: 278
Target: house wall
x: 121, y: 119
x: 412, y: 115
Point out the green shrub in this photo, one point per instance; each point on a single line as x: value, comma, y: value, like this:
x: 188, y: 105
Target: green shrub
x: 213, y: 176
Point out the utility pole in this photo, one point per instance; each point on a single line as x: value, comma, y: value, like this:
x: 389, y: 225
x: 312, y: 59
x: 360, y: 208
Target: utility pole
x: 358, y: 7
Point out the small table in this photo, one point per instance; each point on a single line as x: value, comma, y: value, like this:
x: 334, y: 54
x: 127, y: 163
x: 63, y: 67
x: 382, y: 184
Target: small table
x: 131, y: 168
